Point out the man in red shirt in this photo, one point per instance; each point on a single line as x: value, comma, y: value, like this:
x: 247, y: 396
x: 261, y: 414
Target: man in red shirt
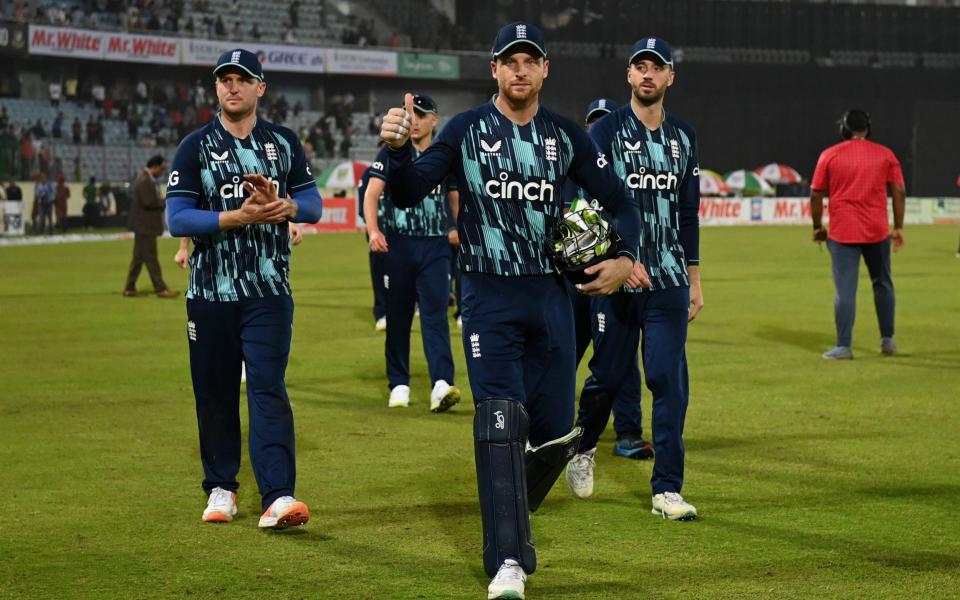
x: 856, y: 175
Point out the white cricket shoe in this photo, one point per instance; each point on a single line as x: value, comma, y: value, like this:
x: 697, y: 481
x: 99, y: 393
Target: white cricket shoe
x: 399, y: 397
x: 381, y: 324
x: 508, y: 583
x: 285, y: 511
x: 671, y: 505
x: 443, y: 396
x: 580, y: 474
x: 221, y: 506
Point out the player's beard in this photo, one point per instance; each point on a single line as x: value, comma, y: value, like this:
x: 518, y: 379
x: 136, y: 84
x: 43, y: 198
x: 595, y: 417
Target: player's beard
x: 238, y: 114
x: 649, y: 99
x: 521, y: 99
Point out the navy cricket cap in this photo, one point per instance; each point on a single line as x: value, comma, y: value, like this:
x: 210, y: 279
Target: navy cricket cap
x: 518, y: 33
x: 600, y: 107
x: 241, y: 59
x: 652, y: 45
x: 423, y: 103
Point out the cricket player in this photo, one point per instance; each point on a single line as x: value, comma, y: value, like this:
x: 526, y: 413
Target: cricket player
x: 627, y: 415
x: 417, y: 267
x: 656, y: 155
x: 511, y: 158
x: 234, y: 186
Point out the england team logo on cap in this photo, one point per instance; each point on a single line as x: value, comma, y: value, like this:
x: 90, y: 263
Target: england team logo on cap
x: 521, y: 32
x: 235, y: 57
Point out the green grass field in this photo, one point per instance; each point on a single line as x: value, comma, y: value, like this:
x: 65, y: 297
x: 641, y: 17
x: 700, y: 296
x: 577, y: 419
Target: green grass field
x: 813, y: 479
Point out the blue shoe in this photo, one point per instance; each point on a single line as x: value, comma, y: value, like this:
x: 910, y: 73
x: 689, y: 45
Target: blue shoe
x: 633, y: 447
x: 839, y: 353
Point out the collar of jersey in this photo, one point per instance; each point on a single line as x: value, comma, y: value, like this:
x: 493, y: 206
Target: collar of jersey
x: 493, y: 103
x: 219, y: 124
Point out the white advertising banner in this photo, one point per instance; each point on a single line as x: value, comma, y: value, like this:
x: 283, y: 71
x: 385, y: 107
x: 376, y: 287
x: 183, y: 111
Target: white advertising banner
x: 141, y: 48
x: 64, y: 41
x: 796, y: 211
x: 361, y: 62
x: 81, y: 43
x: 290, y: 59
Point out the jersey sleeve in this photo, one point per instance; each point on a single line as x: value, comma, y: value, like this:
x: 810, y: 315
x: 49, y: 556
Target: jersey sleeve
x: 821, y: 174
x: 592, y: 171
x: 413, y: 179
x: 380, y: 168
x: 184, y: 178
x: 689, y: 204
x: 299, y: 177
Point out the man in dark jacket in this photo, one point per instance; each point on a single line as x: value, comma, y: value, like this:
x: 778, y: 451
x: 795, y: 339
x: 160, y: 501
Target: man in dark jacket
x: 146, y: 222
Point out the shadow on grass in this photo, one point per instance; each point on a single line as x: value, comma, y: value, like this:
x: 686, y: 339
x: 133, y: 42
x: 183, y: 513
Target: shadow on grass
x: 811, y: 341
x: 901, y: 557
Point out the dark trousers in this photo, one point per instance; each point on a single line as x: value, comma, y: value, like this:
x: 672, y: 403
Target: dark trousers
x: 222, y: 334
x: 518, y: 341
x: 627, y: 413
x: 846, y: 273
x: 44, y: 219
x: 417, y: 273
x: 145, y: 253
x: 661, y: 316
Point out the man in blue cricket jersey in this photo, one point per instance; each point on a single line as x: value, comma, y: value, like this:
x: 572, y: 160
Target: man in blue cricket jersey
x: 376, y: 259
x: 234, y: 185
x: 655, y: 154
x: 627, y: 415
x: 511, y: 157
x: 416, y: 269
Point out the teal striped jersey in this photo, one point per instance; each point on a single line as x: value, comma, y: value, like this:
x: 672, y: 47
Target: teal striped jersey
x: 661, y: 171
x: 430, y: 217
x: 252, y: 261
x: 509, y: 178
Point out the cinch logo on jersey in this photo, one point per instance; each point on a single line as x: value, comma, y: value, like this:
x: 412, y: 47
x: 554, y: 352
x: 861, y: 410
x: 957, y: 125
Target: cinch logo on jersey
x: 236, y: 189
x: 651, y: 181
x: 515, y: 190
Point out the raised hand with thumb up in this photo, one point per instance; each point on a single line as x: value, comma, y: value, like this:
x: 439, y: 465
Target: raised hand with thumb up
x: 395, y: 129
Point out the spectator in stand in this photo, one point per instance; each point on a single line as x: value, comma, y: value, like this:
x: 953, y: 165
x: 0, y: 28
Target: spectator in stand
x: 133, y: 127
x: 98, y: 92
x: 99, y: 128
x: 70, y: 88
x: 255, y: 31
x: 14, y: 193
x: 91, y: 208
x: 237, y: 32
x: 294, y: 11
x: 28, y: 155
x: 91, y: 130
x: 43, y: 200
x: 199, y: 94
x: 107, y: 106
x: 61, y: 196
x: 77, y: 129
x: 37, y: 131
x: 4, y: 117
x: 142, y: 92
x: 56, y: 91
x: 77, y: 169
x: 56, y: 129
x: 219, y: 28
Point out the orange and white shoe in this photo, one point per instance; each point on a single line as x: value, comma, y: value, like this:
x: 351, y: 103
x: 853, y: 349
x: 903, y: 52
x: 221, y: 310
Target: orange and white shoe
x: 285, y: 511
x: 221, y: 506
